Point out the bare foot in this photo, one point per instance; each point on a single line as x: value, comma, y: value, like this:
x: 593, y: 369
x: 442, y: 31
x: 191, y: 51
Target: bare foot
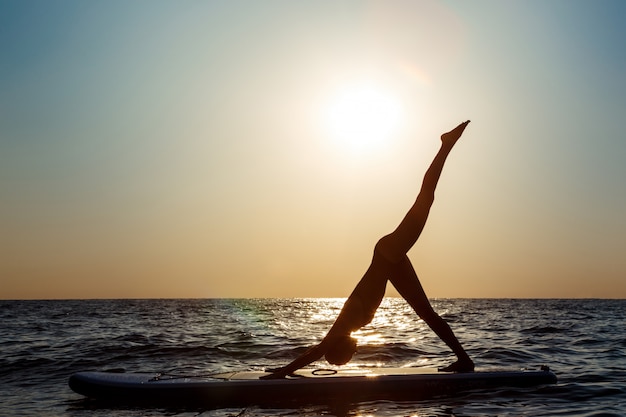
x: 452, y: 136
x: 459, y: 366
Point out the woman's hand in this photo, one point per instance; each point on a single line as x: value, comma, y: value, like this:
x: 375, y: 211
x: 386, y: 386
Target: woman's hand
x: 276, y: 373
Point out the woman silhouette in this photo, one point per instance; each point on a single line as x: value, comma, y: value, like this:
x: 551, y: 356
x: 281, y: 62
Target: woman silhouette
x: 390, y: 263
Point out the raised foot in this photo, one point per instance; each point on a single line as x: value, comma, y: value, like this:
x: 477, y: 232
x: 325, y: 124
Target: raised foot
x: 452, y: 136
x: 458, y: 366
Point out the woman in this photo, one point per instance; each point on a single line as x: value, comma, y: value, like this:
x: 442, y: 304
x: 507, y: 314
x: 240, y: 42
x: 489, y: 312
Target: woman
x: 390, y: 263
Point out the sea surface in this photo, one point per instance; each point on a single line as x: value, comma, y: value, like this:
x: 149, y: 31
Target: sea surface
x: 43, y: 342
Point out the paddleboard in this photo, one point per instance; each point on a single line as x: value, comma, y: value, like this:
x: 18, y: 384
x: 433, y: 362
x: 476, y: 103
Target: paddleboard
x: 235, y: 389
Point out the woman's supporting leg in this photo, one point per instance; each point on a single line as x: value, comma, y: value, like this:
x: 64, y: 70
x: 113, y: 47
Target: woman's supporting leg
x: 406, y: 282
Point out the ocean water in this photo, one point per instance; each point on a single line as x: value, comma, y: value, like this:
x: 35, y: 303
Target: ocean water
x: 43, y: 342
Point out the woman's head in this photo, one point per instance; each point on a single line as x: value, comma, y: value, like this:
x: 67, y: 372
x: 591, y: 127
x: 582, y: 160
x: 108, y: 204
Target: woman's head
x: 341, y: 351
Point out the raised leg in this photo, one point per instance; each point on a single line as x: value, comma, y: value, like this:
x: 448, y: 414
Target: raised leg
x: 395, y: 245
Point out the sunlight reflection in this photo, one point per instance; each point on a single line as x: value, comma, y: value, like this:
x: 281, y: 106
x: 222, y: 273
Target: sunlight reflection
x: 365, y: 364
x: 368, y: 337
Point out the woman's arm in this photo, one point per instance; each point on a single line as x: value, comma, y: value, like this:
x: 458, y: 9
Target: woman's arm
x: 342, y: 327
x: 311, y: 355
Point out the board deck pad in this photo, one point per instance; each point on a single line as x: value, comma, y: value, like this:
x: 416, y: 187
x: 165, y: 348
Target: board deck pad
x: 333, y: 373
x: 233, y: 389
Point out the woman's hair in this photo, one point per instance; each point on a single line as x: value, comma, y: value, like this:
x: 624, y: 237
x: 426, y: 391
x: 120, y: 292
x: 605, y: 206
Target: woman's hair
x: 341, y: 351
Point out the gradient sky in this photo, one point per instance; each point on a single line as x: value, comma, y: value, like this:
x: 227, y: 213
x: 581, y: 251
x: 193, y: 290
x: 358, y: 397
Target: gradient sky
x: 179, y: 149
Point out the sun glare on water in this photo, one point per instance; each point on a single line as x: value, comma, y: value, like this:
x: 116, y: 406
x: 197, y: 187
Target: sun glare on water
x: 363, y: 118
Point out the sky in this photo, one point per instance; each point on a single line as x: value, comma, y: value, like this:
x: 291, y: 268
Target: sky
x: 201, y: 149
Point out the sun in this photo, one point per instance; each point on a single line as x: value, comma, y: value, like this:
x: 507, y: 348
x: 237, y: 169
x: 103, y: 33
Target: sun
x: 363, y: 118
